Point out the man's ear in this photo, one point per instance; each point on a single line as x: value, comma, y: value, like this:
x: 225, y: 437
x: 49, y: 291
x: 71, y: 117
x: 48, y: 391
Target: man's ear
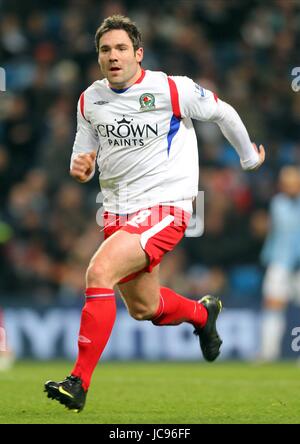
x: 139, y: 54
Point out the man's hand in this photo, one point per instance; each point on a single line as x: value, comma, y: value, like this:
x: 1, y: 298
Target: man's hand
x: 261, y: 154
x: 83, y: 165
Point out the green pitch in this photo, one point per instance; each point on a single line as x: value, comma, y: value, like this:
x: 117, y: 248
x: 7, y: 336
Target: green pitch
x: 173, y: 393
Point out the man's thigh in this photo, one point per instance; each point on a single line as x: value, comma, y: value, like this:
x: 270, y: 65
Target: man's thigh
x: 121, y: 254
x: 143, y: 290
x: 160, y: 229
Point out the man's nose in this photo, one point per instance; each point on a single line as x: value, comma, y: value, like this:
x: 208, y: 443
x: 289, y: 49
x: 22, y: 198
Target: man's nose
x: 113, y: 56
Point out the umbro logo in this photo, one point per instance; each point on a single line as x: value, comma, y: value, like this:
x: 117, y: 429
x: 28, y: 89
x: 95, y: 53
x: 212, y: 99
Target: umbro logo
x: 100, y: 102
x: 84, y: 339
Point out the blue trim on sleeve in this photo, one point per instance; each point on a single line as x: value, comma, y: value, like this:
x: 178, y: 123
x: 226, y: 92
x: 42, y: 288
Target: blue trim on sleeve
x: 174, y: 127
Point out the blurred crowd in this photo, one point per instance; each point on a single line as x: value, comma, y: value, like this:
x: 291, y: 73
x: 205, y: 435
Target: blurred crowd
x: 244, y: 51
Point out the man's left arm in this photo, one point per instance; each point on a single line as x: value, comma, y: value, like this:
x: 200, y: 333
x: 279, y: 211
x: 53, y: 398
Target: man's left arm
x: 234, y: 130
x: 201, y: 104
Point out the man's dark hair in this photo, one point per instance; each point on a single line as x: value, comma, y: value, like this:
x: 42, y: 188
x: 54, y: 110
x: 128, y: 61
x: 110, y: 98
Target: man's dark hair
x: 119, y: 22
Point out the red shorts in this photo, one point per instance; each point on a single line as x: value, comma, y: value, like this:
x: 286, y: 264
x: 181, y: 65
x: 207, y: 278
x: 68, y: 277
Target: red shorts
x: 161, y: 228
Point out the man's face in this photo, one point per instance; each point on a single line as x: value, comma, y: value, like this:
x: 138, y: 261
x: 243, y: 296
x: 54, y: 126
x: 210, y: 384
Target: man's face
x: 289, y: 181
x: 117, y: 59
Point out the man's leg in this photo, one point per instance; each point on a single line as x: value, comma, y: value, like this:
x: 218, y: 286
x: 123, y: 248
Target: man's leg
x: 146, y: 300
x: 276, y: 288
x: 142, y: 295
x: 118, y: 256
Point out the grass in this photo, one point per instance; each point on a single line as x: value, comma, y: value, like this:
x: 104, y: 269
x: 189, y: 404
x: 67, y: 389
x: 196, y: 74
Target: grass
x: 158, y: 393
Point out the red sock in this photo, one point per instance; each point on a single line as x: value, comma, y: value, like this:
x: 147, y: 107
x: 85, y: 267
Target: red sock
x: 97, y: 320
x: 175, y: 309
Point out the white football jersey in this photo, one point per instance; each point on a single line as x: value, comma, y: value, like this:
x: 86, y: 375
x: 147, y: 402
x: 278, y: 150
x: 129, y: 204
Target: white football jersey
x: 147, y: 146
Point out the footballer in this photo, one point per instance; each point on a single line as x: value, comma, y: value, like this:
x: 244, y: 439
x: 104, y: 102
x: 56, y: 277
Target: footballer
x: 136, y: 127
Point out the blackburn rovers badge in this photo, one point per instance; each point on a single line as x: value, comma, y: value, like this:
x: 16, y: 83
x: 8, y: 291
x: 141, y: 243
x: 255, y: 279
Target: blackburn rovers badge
x: 147, y: 102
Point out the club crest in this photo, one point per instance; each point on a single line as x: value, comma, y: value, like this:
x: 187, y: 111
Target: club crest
x: 147, y: 102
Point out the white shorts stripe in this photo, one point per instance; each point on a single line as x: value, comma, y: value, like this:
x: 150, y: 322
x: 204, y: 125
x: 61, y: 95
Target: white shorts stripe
x: 155, y: 229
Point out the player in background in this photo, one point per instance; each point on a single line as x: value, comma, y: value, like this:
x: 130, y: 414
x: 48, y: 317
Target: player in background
x: 281, y: 255
x: 139, y: 124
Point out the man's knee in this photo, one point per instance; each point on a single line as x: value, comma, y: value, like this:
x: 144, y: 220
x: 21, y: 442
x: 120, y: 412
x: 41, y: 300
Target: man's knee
x: 98, y: 274
x: 142, y: 312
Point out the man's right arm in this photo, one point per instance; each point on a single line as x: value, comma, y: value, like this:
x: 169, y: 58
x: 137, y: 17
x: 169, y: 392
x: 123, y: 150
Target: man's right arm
x: 82, y: 165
